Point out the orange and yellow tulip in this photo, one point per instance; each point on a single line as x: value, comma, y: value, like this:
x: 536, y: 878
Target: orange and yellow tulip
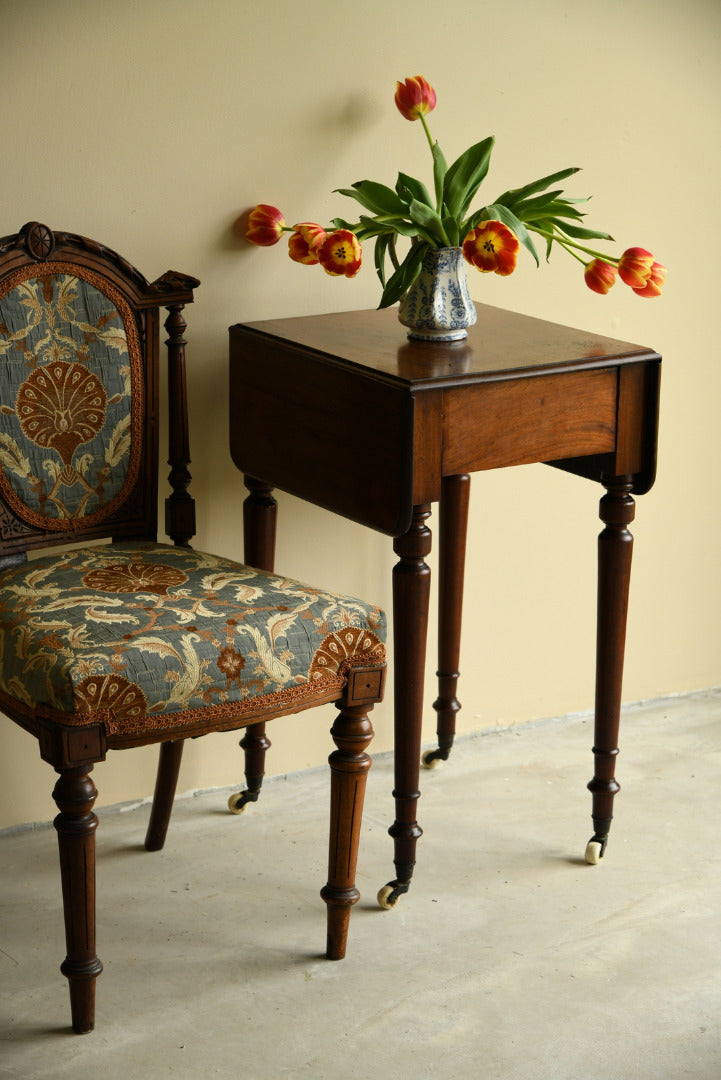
x: 340, y: 254
x: 600, y: 276
x: 634, y: 267
x: 266, y: 225
x: 654, y: 283
x: 305, y: 241
x: 492, y: 248
x: 415, y: 97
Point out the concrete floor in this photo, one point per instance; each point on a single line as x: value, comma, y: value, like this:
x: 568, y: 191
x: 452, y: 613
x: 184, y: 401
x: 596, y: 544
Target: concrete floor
x: 509, y: 960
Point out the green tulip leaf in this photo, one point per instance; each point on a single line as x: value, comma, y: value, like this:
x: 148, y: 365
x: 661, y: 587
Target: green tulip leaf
x: 465, y: 176
x: 562, y: 208
x: 379, y: 255
x: 399, y: 226
x: 452, y: 231
x: 377, y: 198
x: 414, y: 189
x: 428, y: 219
x: 440, y: 168
x: 405, y: 275
x: 531, y: 208
x: 517, y: 195
x: 582, y: 234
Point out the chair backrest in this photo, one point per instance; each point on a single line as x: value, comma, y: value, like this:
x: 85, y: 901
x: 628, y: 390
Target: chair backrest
x: 79, y: 334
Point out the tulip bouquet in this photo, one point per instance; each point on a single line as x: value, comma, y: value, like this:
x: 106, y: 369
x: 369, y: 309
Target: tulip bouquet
x: 490, y: 237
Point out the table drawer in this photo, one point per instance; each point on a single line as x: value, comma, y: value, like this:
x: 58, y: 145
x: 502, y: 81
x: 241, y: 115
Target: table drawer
x: 519, y: 421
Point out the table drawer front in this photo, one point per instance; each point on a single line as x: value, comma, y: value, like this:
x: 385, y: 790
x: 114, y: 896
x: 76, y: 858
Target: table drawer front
x: 520, y: 421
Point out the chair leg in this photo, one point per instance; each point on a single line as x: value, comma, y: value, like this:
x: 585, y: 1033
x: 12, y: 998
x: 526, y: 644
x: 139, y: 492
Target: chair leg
x: 255, y: 743
x: 166, y: 781
x: 352, y: 732
x: 75, y: 794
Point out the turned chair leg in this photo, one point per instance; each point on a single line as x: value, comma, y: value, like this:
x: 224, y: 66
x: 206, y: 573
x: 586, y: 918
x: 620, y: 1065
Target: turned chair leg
x: 166, y: 782
x: 352, y: 732
x: 254, y: 743
x: 75, y: 795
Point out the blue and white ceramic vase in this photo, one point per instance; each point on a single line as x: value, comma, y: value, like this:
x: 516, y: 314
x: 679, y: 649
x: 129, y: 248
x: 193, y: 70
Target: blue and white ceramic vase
x: 438, y: 306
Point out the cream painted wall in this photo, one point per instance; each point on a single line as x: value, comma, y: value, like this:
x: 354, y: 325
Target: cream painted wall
x: 150, y: 124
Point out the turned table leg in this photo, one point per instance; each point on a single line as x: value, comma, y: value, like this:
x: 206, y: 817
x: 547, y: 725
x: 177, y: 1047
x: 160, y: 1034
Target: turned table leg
x: 411, y: 594
x: 75, y: 794
x: 260, y: 513
x: 455, y: 493
x: 615, y: 547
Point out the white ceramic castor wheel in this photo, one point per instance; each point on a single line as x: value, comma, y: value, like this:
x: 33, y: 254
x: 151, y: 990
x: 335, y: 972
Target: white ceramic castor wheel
x: 388, y: 897
x: 429, y: 760
x: 236, y: 803
x: 594, y: 852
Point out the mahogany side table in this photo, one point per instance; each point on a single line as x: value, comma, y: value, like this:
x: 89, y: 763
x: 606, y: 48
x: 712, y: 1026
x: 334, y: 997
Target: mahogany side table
x: 343, y: 411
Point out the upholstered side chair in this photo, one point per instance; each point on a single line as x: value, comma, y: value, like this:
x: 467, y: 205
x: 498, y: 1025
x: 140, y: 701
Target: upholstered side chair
x: 117, y: 644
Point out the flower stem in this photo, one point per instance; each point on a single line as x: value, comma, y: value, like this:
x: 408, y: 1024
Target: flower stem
x: 438, y: 177
x: 569, y: 245
x: 427, y: 131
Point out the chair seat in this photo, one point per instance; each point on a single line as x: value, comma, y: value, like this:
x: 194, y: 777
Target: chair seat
x: 151, y: 637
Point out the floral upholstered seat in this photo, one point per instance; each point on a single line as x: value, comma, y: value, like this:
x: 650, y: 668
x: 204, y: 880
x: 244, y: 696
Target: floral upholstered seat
x: 147, y: 637
x: 110, y: 639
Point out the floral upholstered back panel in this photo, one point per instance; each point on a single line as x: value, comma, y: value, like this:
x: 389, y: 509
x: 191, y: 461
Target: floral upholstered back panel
x: 70, y: 396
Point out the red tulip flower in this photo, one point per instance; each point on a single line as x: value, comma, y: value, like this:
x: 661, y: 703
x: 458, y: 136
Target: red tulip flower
x: 634, y: 267
x: 600, y: 276
x: 340, y: 254
x: 305, y: 241
x: 415, y: 97
x: 265, y: 225
x: 492, y: 247
x: 655, y: 281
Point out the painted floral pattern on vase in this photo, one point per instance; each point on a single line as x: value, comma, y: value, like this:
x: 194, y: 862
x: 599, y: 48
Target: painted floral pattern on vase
x: 438, y: 305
